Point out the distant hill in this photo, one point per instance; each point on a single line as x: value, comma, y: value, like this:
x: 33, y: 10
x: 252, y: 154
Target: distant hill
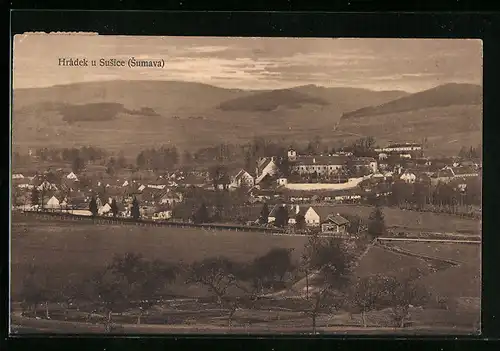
x: 442, y: 96
x: 448, y: 116
x: 342, y: 99
x: 132, y: 115
x: 271, y: 100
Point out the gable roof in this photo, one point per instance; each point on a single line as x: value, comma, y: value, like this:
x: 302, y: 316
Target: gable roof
x: 238, y: 175
x: 263, y: 163
x: 290, y: 209
x: 337, y: 219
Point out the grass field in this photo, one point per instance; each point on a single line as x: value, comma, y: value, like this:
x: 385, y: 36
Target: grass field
x: 414, y: 220
x: 69, y: 247
x: 464, y: 253
x: 381, y: 261
x: 457, y: 282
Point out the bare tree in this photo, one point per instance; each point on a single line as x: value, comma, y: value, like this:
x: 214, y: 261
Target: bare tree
x: 368, y: 294
x: 401, y: 295
x: 111, y: 290
x: 330, y: 262
x: 218, y: 275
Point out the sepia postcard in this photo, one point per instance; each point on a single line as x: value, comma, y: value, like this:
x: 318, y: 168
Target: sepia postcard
x: 237, y: 185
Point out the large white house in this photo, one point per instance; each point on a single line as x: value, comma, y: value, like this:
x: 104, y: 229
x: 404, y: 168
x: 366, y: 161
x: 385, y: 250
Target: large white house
x: 320, y: 165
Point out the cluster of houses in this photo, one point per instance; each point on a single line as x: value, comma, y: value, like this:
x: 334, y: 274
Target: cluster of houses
x: 158, y: 194
x: 318, y: 217
x: 396, y: 162
x: 66, y: 192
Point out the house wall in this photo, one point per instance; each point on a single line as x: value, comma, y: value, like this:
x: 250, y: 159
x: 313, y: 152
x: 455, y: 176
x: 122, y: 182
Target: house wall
x: 311, y: 217
x: 321, y: 169
x: 350, y: 184
x: 330, y: 228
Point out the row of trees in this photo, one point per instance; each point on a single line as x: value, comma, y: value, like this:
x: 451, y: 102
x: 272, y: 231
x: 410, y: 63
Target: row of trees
x: 244, y: 154
x: 131, y: 281
x: 421, y: 194
x: 158, y: 159
x: 471, y: 152
x: 86, y: 153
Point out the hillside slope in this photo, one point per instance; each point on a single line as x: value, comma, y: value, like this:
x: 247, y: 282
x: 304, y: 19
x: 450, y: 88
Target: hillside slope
x: 448, y: 116
x: 441, y: 96
x: 133, y: 115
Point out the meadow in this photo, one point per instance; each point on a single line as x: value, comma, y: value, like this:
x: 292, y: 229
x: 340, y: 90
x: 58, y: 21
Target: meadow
x: 461, y: 281
x: 67, y: 248
x: 414, y: 221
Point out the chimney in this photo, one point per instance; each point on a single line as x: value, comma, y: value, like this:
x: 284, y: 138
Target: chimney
x: 314, y: 160
x: 297, y: 209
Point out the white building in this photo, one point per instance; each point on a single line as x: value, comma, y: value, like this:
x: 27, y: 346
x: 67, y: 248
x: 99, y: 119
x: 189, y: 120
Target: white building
x: 408, y: 177
x: 400, y: 148
x: 72, y: 176
x: 104, y: 209
x: 53, y: 203
x: 242, y: 178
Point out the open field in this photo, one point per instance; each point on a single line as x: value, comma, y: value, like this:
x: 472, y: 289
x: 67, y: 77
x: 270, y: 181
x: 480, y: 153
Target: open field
x: 381, y: 261
x: 467, y: 254
x: 401, y: 220
x: 458, y: 282
x: 411, y: 221
x: 67, y: 248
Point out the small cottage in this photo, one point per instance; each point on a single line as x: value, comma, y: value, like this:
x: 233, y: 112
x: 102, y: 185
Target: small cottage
x: 335, y: 225
x: 72, y: 176
x: 104, y: 209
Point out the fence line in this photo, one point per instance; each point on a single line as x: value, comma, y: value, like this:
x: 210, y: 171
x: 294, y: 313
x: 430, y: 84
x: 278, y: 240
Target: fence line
x: 151, y: 223
x: 456, y: 241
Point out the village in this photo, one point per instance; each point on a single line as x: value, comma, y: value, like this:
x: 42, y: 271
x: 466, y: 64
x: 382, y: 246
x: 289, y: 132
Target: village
x: 296, y: 189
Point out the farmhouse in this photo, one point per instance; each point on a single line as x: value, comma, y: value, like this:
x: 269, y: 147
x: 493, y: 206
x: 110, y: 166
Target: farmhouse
x: 335, y: 225
x: 266, y: 166
x: 242, y: 178
x: 52, y: 203
x: 162, y: 213
x: 104, y: 209
x: 311, y: 217
x: 408, y: 177
x: 72, y: 176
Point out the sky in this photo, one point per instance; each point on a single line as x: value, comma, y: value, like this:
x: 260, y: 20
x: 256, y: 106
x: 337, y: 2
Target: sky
x: 252, y: 63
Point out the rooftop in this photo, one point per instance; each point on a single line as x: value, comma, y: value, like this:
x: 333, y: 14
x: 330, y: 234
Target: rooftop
x: 320, y: 160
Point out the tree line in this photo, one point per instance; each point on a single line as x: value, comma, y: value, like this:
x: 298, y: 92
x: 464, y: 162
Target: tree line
x: 442, y: 196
